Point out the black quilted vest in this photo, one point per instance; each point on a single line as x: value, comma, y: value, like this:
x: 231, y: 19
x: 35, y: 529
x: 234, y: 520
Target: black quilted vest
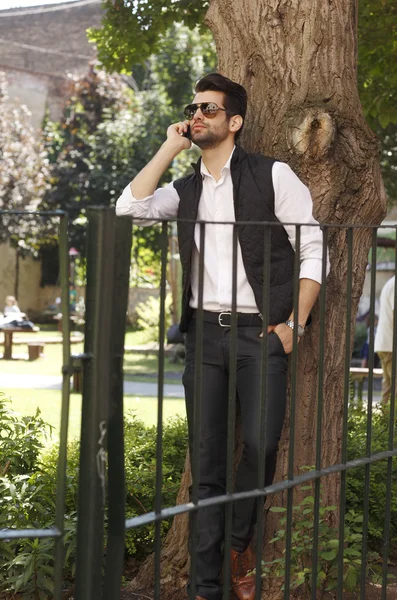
x: 253, y: 197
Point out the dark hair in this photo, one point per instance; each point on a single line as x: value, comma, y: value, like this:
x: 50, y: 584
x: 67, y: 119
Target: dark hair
x: 235, y: 96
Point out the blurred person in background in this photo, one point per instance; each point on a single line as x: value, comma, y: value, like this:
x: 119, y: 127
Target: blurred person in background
x: 11, y: 307
x: 384, y: 343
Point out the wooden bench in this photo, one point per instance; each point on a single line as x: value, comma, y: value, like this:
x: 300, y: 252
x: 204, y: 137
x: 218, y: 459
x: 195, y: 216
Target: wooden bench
x: 12, y: 338
x: 35, y: 350
x: 359, y: 375
x: 9, y: 338
x: 77, y: 381
x: 75, y: 338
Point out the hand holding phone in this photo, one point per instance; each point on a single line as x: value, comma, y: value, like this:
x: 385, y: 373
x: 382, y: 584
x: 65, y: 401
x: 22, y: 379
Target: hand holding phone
x: 177, y: 131
x: 186, y: 134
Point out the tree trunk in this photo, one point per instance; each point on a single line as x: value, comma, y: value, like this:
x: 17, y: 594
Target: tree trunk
x: 298, y: 62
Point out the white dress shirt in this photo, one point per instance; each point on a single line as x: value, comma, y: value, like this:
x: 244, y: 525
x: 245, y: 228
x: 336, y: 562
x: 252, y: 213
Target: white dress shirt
x: 293, y: 204
x: 384, y: 330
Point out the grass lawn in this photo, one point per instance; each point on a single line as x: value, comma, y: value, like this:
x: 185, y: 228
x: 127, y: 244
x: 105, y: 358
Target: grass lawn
x: 26, y: 402
x: 139, y: 367
x: 50, y: 364
x: 136, y: 366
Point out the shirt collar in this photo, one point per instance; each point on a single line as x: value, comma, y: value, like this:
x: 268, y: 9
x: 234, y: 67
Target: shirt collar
x: 204, y: 170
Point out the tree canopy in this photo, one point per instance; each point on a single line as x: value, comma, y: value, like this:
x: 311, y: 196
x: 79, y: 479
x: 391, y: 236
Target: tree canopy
x: 112, y: 126
x: 132, y: 31
x: 377, y: 60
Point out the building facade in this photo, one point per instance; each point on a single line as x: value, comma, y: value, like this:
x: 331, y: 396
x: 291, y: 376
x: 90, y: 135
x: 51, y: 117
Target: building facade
x: 41, y: 48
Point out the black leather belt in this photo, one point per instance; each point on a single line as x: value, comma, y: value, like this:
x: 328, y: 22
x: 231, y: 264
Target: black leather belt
x: 224, y: 319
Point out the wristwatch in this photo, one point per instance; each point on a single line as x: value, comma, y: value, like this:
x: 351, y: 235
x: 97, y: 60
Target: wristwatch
x: 301, y: 329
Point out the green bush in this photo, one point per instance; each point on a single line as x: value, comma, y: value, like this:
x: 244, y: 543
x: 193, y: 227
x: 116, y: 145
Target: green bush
x: 28, y: 491
x: 50, y: 465
x: 302, y: 541
x: 140, y: 472
x: 27, y: 500
x: 302, y: 527
x: 357, y: 441
x: 21, y: 440
x: 148, y: 317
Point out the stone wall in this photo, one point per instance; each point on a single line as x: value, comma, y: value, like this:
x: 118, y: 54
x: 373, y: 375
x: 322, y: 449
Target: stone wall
x: 32, y: 298
x: 29, y: 291
x: 40, y: 46
x: 39, y: 92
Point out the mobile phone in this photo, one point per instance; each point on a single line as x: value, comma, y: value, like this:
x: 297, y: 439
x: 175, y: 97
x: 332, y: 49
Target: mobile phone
x: 186, y: 134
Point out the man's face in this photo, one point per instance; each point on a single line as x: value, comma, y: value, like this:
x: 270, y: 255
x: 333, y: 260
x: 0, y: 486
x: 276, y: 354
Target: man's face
x: 209, y: 133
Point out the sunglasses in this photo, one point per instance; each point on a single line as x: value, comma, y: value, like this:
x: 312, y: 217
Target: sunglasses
x: 209, y: 110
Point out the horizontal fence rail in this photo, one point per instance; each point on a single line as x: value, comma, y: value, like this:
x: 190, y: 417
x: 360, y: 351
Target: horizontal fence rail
x: 275, y: 488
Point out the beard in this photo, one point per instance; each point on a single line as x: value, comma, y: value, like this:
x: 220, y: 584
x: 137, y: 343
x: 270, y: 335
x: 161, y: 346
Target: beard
x: 207, y: 139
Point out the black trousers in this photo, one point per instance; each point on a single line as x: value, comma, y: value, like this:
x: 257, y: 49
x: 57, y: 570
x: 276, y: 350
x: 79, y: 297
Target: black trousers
x: 213, y: 436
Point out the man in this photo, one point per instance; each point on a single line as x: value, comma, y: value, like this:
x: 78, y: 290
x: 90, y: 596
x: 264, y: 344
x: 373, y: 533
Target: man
x: 384, y: 337
x: 229, y: 185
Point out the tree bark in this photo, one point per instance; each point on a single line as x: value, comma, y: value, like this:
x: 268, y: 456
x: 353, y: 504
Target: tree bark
x: 298, y: 61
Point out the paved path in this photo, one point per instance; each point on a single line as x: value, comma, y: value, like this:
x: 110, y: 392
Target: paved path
x: 54, y: 382
x: 131, y: 388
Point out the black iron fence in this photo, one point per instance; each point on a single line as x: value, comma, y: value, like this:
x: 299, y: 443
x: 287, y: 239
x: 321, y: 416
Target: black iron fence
x: 102, y: 486
x: 57, y: 531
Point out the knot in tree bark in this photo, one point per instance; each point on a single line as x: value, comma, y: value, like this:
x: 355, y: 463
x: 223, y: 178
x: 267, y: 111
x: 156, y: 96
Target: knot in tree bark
x: 311, y: 132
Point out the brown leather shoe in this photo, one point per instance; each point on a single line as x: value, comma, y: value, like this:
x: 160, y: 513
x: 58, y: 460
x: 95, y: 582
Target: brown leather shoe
x: 243, y: 582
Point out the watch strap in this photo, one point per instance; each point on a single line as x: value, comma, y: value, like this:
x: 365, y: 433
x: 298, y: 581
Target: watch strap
x: 291, y: 324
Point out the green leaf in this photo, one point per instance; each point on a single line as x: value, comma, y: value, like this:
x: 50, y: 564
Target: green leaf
x: 308, y: 500
x: 351, y: 579
x: 352, y: 552
x: 330, y: 555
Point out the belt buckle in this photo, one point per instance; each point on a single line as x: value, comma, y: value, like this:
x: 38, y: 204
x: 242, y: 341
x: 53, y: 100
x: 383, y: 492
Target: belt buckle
x: 221, y: 315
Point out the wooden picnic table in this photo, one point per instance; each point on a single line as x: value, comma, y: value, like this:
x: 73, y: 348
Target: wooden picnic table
x: 8, y: 339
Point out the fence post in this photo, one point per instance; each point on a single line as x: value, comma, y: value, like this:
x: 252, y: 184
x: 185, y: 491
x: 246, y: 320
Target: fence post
x: 63, y: 437
x: 116, y: 478
x: 102, y: 395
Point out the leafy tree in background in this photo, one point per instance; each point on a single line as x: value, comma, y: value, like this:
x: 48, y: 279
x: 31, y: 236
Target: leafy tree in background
x: 96, y: 103
x: 23, y: 177
x: 388, y: 160
x: 94, y: 151
x: 377, y: 60
x: 112, y: 127
x: 377, y: 79
x: 132, y: 31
